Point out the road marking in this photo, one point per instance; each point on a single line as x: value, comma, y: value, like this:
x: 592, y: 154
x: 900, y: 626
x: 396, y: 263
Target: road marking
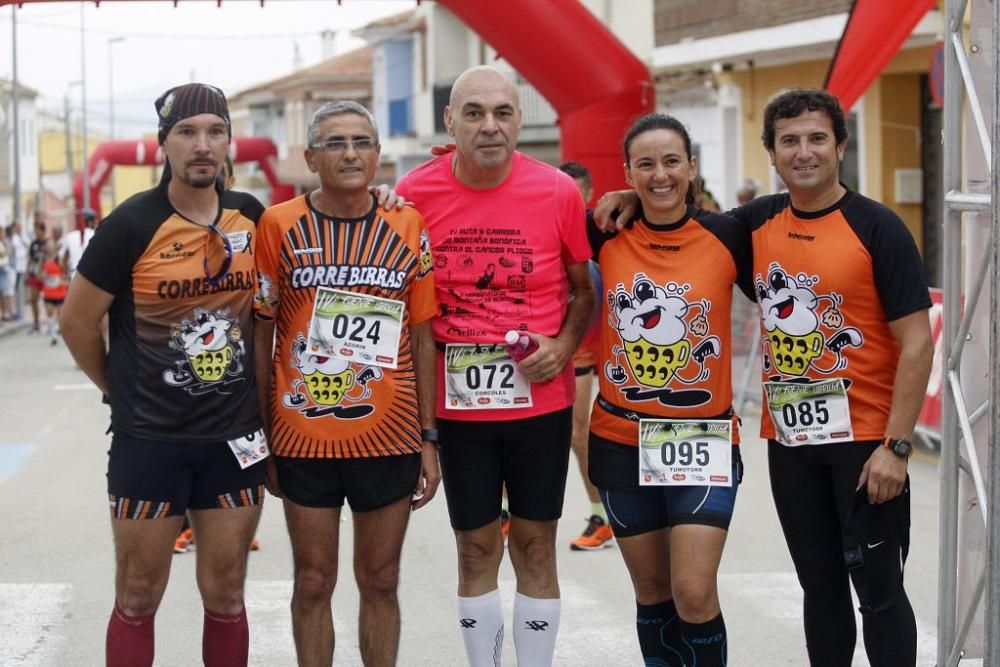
x: 582, y: 624
x: 777, y: 595
x: 12, y: 457
x: 83, y: 386
x: 30, y: 619
x: 270, y: 620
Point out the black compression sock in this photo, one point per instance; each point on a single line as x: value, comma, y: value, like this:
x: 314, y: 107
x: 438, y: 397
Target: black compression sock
x: 659, y: 630
x: 706, y: 642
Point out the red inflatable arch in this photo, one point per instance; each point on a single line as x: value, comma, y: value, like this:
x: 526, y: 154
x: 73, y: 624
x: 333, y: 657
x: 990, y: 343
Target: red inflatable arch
x: 147, y: 152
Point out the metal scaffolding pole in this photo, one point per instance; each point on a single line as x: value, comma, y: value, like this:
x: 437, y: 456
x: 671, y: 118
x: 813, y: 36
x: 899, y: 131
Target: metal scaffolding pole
x: 965, y: 279
x: 991, y: 654
x: 952, y: 282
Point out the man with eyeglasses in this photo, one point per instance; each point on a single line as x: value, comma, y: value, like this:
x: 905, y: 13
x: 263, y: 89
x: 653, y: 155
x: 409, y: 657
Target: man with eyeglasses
x: 510, y: 253
x: 174, y: 268
x: 346, y: 293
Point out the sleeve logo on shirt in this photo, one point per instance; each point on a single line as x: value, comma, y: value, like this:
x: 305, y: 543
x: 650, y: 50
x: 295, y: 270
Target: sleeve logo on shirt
x: 426, y: 263
x: 213, y: 349
x: 329, y: 386
x: 799, y: 336
x: 267, y: 294
x: 659, y: 327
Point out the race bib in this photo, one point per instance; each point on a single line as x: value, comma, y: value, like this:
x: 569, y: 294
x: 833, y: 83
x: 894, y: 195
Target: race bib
x: 480, y: 377
x: 809, y: 414
x: 239, y: 240
x: 685, y: 452
x: 250, y: 448
x: 356, y: 327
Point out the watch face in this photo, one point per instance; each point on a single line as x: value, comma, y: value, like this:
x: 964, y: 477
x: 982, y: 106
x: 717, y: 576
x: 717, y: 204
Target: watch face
x: 902, y: 447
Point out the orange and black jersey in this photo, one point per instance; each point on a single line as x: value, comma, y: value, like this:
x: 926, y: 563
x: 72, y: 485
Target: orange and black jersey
x: 180, y: 364
x: 325, y: 406
x: 665, y: 344
x: 828, y: 284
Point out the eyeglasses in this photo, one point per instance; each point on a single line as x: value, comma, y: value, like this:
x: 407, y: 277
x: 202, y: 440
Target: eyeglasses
x: 341, y: 145
x: 215, y: 279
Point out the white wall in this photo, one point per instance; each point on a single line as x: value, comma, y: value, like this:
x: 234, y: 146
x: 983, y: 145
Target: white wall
x: 631, y: 21
x: 448, y: 45
x: 704, y: 124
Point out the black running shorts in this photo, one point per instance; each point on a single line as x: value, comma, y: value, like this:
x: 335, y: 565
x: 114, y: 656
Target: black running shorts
x: 530, y: 456
x: 367, y: 483
x: 150, y: 479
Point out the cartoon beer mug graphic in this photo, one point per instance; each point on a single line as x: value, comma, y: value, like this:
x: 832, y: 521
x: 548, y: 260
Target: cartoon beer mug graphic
x: 653, y: 331
x: 793, y: 355
x: 327, y: 379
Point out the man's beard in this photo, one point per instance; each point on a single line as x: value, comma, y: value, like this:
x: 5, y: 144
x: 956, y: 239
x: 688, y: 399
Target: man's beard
x: 199, y: 180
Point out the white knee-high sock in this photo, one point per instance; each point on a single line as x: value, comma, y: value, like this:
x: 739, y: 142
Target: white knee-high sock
x: 480, y: 621
x: 536, y: 624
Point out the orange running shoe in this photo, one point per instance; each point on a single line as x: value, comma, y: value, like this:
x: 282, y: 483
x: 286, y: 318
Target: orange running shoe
x: 596, y: 536
x: 184, y: 542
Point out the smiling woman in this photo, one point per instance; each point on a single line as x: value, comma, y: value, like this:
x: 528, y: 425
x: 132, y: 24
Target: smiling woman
x: 660, y: 167
x: 663, y: 436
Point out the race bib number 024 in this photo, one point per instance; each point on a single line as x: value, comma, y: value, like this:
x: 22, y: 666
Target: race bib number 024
x: 356, y: 327
x: 809, y: 414
x: 483, y: 377
x: 685, y: 452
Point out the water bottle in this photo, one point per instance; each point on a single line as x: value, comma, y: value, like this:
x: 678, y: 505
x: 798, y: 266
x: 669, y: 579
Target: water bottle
x: 519, y: 345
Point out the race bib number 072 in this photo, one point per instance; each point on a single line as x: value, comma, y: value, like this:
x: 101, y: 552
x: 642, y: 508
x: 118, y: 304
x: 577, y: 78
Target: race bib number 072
x: 480, y: 377
x: 685, y: 452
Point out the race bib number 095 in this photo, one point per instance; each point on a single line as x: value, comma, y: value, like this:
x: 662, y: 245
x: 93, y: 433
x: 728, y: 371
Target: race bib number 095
x: 356, y: 327
x: 481, y: 377
x: 809, y: 414
x: 685, y: 452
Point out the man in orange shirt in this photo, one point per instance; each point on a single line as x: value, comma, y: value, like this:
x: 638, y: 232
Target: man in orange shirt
x: 346, y: 294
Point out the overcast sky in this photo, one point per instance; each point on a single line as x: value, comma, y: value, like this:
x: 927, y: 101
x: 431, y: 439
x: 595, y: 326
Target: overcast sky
x: 233, y: 47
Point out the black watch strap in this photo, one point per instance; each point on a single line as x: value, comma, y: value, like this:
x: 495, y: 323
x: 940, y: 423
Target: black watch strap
x: 429, y: 435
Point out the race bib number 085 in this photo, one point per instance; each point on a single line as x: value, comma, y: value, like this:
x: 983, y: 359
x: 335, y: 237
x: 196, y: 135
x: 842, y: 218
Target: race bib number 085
x: 356, y: 327
x: 685, y: 452
x: 809, y: 414
x: 483, y: 377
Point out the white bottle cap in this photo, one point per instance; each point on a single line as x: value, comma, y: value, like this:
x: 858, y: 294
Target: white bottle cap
x: 511, y: 337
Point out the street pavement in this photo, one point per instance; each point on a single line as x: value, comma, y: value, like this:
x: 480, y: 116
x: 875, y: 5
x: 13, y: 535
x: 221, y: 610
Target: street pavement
x: 56, y: 557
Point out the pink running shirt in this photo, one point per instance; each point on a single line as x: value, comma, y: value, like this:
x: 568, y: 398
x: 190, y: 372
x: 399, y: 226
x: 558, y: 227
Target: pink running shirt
x: 499, y: 263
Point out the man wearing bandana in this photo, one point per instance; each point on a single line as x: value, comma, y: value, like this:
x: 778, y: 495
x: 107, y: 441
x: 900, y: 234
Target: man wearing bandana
x: 173, y: 267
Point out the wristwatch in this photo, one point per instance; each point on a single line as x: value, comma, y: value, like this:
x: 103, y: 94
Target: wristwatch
x: 901, y: 447
x: 429, y: 435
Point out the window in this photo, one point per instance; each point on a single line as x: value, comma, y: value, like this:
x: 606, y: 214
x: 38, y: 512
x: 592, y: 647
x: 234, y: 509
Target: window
x: 850, y: 170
